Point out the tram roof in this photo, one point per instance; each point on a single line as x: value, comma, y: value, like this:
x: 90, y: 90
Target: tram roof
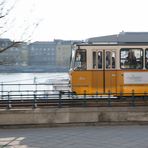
x: 121, y: 38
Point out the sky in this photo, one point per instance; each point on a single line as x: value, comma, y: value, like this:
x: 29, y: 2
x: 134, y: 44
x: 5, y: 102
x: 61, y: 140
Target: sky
x: 46, y: 20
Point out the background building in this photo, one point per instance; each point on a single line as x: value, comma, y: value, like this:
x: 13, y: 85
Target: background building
x: 37, y: 56
x: 63, y: 52
x: 14, y: 55
x: 42, y: 53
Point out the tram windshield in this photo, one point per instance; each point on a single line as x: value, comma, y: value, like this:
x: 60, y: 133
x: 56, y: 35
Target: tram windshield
x: 72, y: 58
x: 80, y: 60
x: 131, y: 58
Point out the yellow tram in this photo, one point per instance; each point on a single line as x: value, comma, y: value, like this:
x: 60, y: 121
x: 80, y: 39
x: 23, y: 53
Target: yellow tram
x: 115, y: 67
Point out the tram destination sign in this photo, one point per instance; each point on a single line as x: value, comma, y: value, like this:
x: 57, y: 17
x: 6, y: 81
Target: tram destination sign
x: 136, y: 78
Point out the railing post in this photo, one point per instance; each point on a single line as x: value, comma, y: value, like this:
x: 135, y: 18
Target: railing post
x: 2, y: 91
x: 19, y: 87
x: 45, y: 95
x: 145, y: 96
x: 9, y: 101
x: 27, y: 94
x: 109, y: 98
x: 34, y: 101
x: 68, y: 94
x: 60, y: 97
x: 97, y: 96
x: 121, y: 94
x: 36, y: 86
x: 21, y: 97
x: 85, y: 98
x: 133, y: 98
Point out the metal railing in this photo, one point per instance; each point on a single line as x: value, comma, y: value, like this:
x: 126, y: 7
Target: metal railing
x: 34, y: 95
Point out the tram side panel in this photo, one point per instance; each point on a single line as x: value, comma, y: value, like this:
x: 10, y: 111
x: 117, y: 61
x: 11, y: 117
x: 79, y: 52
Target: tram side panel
x: 110, y: 82
x: 89, y: 82
x: 97, y: 82
x: 125, y: 82
x: 81, y: 82
x: 120, y: 82
x: 94, y: 82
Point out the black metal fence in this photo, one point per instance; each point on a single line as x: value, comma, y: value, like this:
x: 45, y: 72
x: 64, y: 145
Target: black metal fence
x: 59, y: 95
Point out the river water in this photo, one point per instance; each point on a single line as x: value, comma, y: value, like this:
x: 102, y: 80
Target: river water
x: 23, y: 78
x: 19, y: 81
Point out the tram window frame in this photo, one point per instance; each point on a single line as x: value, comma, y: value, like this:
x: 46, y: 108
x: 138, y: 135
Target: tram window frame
x: 82, y: 63
x: 123, y: 60
x: 146, y: 58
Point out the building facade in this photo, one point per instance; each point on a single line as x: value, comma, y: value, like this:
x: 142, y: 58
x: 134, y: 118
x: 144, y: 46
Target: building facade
x: 63, y: 52
x: 56, y: 53
x: 42, y: 53
x: 15, y: 55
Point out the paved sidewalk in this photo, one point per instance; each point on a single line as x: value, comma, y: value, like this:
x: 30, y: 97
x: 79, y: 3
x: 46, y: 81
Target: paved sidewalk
x: 76, y: 137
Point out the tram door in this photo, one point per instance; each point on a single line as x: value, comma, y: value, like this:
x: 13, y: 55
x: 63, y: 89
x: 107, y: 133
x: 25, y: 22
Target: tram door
x: 104, y: 75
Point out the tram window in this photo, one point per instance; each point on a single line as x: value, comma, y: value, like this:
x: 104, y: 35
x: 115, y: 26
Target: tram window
x: 146, y: 58
x: 108, y: 59
x: 97, y: 60
x: 100, y: 60
x: 80, y: 60
x: 113, y: 60
x: 131, y: 58
x: 94, y: 60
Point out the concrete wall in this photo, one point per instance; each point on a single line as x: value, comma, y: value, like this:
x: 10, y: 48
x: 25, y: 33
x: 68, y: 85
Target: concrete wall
x: 54, y: 116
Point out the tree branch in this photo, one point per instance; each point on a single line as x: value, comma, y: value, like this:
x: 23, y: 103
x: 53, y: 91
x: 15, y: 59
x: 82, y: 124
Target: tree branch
x: 14, y: 44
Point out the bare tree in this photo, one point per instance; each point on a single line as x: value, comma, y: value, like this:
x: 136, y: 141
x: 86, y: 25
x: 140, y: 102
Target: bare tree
x: 6, y: 6
x: 13, y: 44
x: 8, y: 22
